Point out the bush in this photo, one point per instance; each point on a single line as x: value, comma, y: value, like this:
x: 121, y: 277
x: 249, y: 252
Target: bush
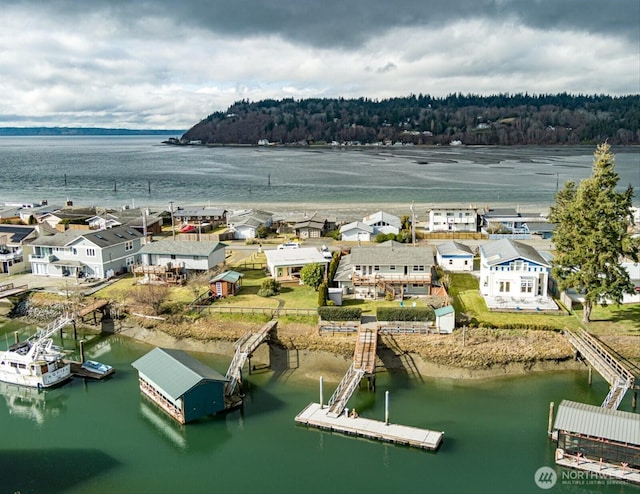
x: 329, y: 313
x: 405, y: 314
x: 323, y: 294
x: 269, y: 288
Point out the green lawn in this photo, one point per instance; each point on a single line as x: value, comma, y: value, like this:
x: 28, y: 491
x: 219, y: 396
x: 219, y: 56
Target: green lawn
x: 464, y: 290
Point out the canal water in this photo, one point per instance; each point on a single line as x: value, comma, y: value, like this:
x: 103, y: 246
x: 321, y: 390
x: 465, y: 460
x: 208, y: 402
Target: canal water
x: 104, y: 437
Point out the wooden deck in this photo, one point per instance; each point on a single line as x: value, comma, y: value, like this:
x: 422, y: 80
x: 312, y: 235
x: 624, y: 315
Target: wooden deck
x: 316, y: 416
x: 364, y: 356
x: 9, y: 290
x: 97, y: 305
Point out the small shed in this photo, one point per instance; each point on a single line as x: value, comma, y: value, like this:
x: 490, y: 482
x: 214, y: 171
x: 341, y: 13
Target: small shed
x: 225, y: 284
x: 445, y: 319
x: 180, y: 385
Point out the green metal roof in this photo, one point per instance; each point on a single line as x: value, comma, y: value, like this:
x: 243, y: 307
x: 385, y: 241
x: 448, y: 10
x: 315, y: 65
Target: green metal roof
x: 598, y: 422
x: 443, y: 311
x: 175, y: 371
x: 229, y: 276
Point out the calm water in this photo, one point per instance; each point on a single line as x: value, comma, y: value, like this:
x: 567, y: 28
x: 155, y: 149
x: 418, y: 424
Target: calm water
x: 114, y: 171
x: 103, y: 437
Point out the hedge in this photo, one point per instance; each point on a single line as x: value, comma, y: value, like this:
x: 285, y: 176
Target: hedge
x: 330, y: 313
x: 405, y: 314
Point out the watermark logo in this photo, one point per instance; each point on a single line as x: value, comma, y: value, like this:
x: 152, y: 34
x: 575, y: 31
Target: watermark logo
x: 545, y: 477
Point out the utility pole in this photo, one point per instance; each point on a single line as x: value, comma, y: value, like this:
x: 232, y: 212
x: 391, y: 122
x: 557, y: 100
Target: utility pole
x: 173, y: 228
x: 413, y: 223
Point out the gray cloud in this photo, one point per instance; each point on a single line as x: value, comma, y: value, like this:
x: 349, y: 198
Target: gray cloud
x: 169, y: 64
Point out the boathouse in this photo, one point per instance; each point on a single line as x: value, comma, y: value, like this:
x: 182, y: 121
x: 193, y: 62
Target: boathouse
x: 180, y: 385
x: 595, y: 438
x: 225, y: 284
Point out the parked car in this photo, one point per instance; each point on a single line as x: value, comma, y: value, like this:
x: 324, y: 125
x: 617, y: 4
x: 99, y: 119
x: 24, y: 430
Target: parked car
x: 289, y: 245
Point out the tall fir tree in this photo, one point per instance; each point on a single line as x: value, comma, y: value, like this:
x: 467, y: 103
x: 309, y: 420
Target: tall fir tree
x: 593, y: 235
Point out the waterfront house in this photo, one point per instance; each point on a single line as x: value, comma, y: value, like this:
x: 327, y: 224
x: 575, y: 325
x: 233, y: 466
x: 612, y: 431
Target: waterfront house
x: 445, y: 319
x: 356, y: 232
x: 13, y: 239
x: 171, y: 260
x: 286, y: 264
x: 311, y: 227
x: 383, y: 223
x: 225, y: 284
x: 454, y: 256
x: 206, y: 217
x: 389, y: 269
x: 86, y: 254
x: 180, y: 385
x: 453, y: 220
x: 514, y: 275
x: 512, y: 222
x: 244, y: 224
x: 600, y: 440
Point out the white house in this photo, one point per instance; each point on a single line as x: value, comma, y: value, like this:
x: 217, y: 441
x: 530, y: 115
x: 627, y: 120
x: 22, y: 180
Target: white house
x: 445, y: 319
x: 383, y: 223
x: 453, y: 220
x: 454, y: 256
x: 92, y: 254
x: 633, y: 268
x: 285, y: 264
x: 244, y: 224
x: 190, y: 256
x: 514, y: 275
x: 356, y: 232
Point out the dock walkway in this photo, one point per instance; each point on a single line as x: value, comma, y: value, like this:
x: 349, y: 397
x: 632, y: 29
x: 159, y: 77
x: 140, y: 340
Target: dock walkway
x: 315, y: 415
x: 245, y: 346
x: 619, y: 378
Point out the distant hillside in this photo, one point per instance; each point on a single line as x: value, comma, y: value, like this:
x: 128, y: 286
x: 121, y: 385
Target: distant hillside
x: 500, y: 119
x: 81, y: 131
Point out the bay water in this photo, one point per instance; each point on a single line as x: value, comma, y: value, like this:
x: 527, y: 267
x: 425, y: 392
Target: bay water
x: 104, y: 437
x: 115, y: 171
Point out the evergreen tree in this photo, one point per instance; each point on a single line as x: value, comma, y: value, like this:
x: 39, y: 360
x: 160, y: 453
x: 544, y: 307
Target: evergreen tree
x: 593, y: 234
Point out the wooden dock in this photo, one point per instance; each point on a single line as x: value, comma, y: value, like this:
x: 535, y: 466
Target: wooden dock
x: 314, y: 415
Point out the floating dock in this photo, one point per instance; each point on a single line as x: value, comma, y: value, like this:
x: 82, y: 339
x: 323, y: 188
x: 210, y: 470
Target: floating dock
x: 314, y: 415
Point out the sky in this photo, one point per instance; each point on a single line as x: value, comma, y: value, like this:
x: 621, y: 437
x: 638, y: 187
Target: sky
x: 168, y: 64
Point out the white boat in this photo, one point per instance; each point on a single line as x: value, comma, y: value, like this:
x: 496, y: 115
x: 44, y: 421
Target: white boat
x: 97, y: 367
x: 36, y: 362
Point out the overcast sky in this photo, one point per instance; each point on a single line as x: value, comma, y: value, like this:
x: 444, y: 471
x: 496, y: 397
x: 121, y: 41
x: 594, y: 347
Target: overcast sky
x: 168, y: 64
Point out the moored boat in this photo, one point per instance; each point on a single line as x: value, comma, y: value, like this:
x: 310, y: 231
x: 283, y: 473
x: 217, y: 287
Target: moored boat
x: 97, y: 367
x: 36, y: 362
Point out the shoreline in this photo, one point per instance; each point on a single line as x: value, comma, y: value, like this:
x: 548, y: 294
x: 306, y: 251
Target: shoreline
x: 314, y: 362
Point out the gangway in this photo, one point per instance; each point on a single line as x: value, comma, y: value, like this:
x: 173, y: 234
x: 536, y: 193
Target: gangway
x: 245, y: 346
x: 619, y: 378
x: 364, y: 362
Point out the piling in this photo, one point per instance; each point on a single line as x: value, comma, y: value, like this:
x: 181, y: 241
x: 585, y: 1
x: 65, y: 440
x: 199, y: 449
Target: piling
x: 321, y: 397
x: 82, y: 351
x: 16, y: 337
x: 550, y: 426
x: 386, y: 407
x: 634, y: 399
x: 75, y: 330
x: 590, y: 375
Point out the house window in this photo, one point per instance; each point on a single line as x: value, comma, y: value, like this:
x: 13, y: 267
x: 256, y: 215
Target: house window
x: 173, y: 257
x: 418, y: 268
x: 358, y: 267
x: 128, y: 245
x: 505, y: 287
x: 91, y: 252
x: 451, y: 262
x: 517, y: 266
x: 437, y: 213
x: 449, y: 214
x: 466, y: 262
x: 526, y: 285
x: 376, y: 268
x: 392, y: 267
x: 129, y: 261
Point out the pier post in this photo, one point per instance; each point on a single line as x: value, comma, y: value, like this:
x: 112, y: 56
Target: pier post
x: 386, y: 407
x: 634, y: 399
x: 75, y: 330
x: 249, y: 359
x: 82, y: 351
x: 16, y: 337
x: 321, y: 397
x: 550, y: 427
x: 590, y: 375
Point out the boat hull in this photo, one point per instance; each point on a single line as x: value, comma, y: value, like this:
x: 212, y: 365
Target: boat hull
x: 47, y: 380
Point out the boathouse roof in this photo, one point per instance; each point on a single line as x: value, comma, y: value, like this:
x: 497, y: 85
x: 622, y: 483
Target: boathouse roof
x: 175, y: 371
x: 594, y: 421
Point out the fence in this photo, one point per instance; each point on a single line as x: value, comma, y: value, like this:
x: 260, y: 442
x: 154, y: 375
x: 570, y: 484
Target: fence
x: 263, y: 311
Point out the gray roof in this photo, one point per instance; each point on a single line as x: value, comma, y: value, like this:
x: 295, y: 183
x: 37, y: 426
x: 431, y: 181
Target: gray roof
x: 175, y: 371
x: 595, y: 421
x: 181, y: 247
x: 454, y: 248
x: 392, y: 254
x: 501, y: 212
x: 356, y: 225
x: 199, y: 211
x: 505, y: 250
x: 383, y: 217
x: 540, y: 226
x: 101, y: 238
x: 18, y: 233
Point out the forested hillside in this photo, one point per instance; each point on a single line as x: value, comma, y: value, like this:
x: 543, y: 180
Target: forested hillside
x: 501, y: 119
